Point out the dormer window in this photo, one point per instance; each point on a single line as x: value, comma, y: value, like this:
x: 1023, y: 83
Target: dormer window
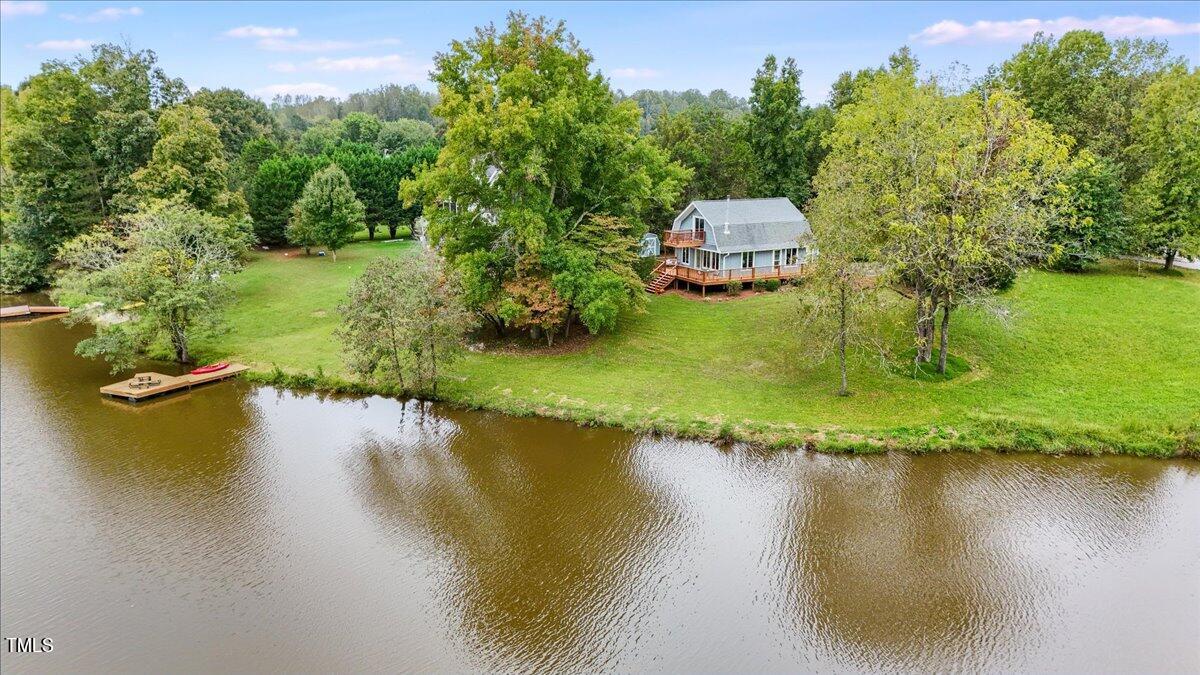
x: 698, y: 224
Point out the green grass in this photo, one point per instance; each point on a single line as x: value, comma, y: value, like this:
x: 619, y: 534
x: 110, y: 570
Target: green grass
x: 1105, y: 361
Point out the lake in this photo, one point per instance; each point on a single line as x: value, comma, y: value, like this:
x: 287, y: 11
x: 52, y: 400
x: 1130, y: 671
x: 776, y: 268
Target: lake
x: 239, y: 527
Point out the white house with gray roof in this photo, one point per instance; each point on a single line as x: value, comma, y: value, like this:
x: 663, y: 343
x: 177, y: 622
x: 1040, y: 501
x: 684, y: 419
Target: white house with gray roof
x: 713, y: 242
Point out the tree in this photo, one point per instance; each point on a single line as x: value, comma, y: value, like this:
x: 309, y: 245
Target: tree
x: 838, y: 300
x: 403, y: 315
x: 53, y: 186
x: 400, y: 135
x: 277, y: 185
x: 321, y: 138
x: 254, y: 153
x: 132, y: 92
x: 1165, y: 199
x: 239, y: 118
x: 714, y: 147
x: 953, y: 190
x: 188, y: 164
x: 327, y: 212
x: 657, y: 104
x: 774, y: 128
x: 166, y: 271
x: 536, y: 146
x: 1087, y: 220
x: 1087, y: 86
x: 360, y: 127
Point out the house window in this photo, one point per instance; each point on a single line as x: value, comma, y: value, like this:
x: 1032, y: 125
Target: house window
x: 698, y: 224
x: 685, y: 256
x: 777, y: 257
x: 709, y: 259
x: 789, y: 257
x: 748, y: 259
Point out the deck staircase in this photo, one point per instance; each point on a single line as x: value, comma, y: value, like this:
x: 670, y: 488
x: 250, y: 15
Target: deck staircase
x: 660, y: 278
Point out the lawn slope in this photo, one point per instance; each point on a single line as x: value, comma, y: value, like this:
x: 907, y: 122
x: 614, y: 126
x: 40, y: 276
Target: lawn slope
x: 1107, y: 361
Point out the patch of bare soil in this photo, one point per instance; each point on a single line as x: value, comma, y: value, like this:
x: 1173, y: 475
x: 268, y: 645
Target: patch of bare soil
x: 523, y: 345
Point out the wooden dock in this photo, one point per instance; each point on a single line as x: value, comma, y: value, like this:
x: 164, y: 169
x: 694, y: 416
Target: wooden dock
x: 30, y: 310
x: 156, y: 384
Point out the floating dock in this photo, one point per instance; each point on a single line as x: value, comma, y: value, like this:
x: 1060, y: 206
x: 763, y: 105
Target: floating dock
x: 31, y: 310
x: 147, y: 385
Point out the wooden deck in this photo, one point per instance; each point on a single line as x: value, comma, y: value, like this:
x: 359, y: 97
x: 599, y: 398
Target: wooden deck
x: 17, y: 311
x: 163, y: 384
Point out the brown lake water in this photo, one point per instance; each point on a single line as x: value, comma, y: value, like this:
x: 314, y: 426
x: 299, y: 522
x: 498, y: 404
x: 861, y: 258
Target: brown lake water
x: 240, y: 528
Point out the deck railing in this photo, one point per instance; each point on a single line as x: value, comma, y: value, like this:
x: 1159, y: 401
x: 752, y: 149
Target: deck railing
x: 741, y: 274
x: 683, y: 238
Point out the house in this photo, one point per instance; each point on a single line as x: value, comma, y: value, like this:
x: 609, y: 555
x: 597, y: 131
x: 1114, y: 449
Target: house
x: 714, y: 242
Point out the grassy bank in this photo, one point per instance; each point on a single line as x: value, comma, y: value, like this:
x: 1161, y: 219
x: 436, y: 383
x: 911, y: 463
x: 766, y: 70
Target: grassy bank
x: 1107, y: 361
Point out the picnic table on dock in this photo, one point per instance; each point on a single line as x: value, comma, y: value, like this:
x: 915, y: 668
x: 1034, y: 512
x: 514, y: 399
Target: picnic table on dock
x: 146, y: 385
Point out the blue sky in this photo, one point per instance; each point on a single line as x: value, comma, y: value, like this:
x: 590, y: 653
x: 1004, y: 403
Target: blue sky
x: 339, y: 48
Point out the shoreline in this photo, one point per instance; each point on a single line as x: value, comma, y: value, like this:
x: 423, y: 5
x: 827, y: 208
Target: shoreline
x: 997, y: 434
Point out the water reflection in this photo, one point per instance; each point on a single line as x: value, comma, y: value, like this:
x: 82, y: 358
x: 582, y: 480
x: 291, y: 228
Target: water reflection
x: 551, y: 540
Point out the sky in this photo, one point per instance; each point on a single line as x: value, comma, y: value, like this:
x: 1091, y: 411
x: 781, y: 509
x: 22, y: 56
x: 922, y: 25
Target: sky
x: 335, y: 49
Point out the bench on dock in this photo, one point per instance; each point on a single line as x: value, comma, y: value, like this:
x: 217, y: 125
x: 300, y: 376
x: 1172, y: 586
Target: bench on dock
x: 146, y: 385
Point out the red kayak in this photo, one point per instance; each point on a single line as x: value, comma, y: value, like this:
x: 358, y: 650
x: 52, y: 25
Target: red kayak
x: 210, y: 369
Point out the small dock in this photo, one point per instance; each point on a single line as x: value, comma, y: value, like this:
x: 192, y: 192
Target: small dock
x: 147, y: 385
x: 18, y: 311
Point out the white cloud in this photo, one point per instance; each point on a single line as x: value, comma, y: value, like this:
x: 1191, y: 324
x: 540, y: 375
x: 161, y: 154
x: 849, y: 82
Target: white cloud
x: 64, y: 45
x: 106, y: 14
x: 393, y: 63
x: 636, y: 73
x: 950, y: 31
x: 261, y: 32
x: 303, y: 88
x: 18, y: 8
x: 281, y: 45
x: 282, y: 67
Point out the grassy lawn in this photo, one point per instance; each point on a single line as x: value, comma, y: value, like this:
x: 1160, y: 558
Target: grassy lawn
x: 1102, y: 361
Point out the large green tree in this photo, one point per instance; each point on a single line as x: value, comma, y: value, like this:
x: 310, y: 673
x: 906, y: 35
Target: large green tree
x: 775, y: 132
x: 327, y: 212
x: 539, y: 159
x: 54, y: 188
x: 164, y: 273
x: 952, y: 189
x: 1088, y: 219
x: 132, y: 92
x: 1165, y: 200
x: 239, y: 118
x: 276, y: 186
x: 1086, y: 85
x: 188, y: 164
x: 400, y: 135
x: 713, y: 145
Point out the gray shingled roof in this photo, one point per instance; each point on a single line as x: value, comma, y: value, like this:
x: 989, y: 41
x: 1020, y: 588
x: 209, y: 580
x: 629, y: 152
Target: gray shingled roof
x: 754, y: 224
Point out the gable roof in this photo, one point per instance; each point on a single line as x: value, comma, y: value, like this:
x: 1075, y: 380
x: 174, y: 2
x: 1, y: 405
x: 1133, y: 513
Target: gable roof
x: 754, y: 224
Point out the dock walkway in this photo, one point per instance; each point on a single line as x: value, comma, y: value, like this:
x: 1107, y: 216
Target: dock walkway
x: 27, y: 310
x: 162, y: 384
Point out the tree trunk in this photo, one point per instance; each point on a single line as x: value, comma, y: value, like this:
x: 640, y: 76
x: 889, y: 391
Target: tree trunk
x: 391, y: 230
x: 306, y: 250
x: 396, y: 355
x: 1169, y: 259
x: 845, y: 390
x: 333, y: 252
x: 919, y: 326
x: 433, y: 366
x: 945, y: 346
x: 179, y: 341
x: 371, y: 232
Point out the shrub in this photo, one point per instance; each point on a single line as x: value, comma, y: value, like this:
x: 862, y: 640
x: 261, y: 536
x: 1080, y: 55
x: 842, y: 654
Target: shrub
x: 772, y: 285
x: 733, y: 287
x: 644, y: 267
x: 21, y: 269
